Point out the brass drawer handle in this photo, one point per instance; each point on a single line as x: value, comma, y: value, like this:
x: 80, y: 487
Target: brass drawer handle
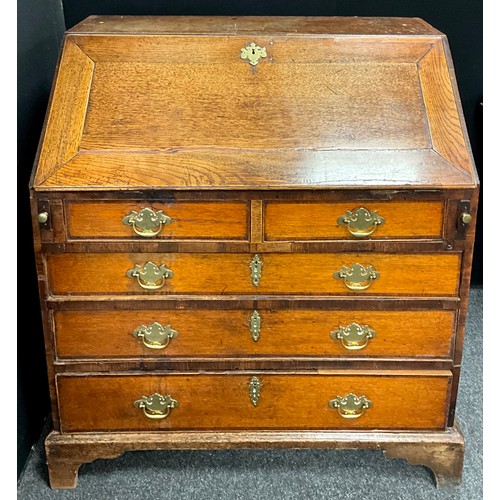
x: 357, y: 277
x: 147, y: 222
x: 255, y: 322
x: 353, y: 337
x: 155, y: 336
x: 361, y: 222
x: 150, y: 276
x: 253, y: 53
x: 350, y: 406
x: 156, y: 406
x: 256, y: 270
x: 254, y: 389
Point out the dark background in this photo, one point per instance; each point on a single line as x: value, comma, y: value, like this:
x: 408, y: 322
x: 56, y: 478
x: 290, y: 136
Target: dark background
x: 41, y: 24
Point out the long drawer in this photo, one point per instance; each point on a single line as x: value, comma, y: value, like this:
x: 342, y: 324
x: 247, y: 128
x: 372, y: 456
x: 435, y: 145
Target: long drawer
x: 341, y: 400
x: 242, y: 333
x: 425, y: 274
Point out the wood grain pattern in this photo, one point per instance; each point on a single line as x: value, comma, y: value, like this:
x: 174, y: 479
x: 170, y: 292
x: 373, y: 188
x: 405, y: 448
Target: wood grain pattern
x: 47, y: 332
x: 464, y: 302
x: 228, y: 246
x: 224, y: 274
x: 250, y: 25
x: 446, y: 461
x: 315, y: 221
x: 442, y: 451
x: 444, y: 121
x: 226, y: 333
x: 225, y: 170
x: 356, y: 102
x: 409, y: 400
x: 409, y: 194
x: 225, y: 50
x: 194, y: 220
x: 256, y: 221
x: 67, y: 111
x: 238, y: 364
x: 226, y: 95
x: 248, y: 302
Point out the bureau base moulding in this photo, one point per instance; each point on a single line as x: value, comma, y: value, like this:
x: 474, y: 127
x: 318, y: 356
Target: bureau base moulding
x: 441, y: 451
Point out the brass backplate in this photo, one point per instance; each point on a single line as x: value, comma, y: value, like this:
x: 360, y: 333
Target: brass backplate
x: 156, y: 406
x: 357, y: 277
x: 155, y: 336
x: 353, y: 336
x: 361, y: 222
x: 350, y: 406
x: 148, y: 222
x: 150, y: 276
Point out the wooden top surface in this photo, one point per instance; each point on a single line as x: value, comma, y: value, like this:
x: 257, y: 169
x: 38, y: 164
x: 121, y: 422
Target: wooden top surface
x: 168, y: 103
x: 234, y: 25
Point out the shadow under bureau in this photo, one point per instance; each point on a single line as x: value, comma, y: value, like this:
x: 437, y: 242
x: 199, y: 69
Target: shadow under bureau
x: 254, y: 232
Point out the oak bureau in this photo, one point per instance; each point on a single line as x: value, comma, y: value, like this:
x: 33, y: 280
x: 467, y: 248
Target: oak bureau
x: 254, y: 232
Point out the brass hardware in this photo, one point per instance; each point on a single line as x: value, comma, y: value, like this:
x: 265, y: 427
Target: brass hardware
x: 150, y: 276
x: 361, y: 222
x: 254, y: 388
x: 255, y: 325
x: 353, y: 337
x: 256, y: 269
x: 253, y: 53
x: 156, y: 406
x: 155, y: 336
x: 350, y: 406
x: 466, y: 218
x: 43, y: 217
x: 357, y: 277
x: 147, y: 222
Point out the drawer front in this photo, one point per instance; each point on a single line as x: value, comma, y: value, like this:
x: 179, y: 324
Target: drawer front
x: 337, y: 221
x: 400, y: 400
x: 189, y: 220
x: 398, y: 274
x: 228, y: 333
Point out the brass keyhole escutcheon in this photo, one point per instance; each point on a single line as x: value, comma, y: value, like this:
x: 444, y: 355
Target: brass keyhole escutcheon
x: 254, y: 389
x: 255, y: 322
x: 253, y: 53
x: 255, y: 270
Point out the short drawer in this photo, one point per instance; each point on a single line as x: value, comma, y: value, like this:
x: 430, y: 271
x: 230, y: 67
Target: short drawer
x: 387, y: 400
x: 143, y: 221
x: 259, y: 333
x: 359, y: 274
x: 339, y: 221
